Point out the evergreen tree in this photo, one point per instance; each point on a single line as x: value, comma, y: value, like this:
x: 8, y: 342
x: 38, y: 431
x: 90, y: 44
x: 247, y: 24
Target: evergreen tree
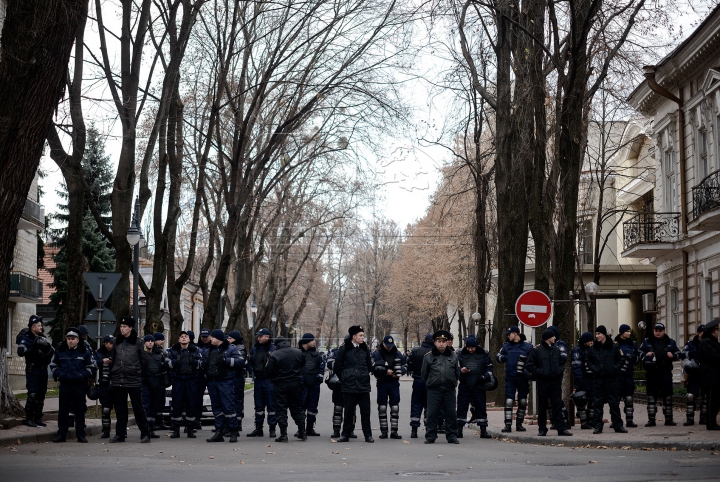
x: 99, y: 255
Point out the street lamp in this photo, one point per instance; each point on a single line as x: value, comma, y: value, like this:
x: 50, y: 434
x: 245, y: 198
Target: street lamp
x: 135, y: 238
x: 476, y: 320
x: 592, y: 291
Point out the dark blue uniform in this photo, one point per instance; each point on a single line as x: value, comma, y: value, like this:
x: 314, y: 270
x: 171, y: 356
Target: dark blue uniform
x: 337, y: 397
x: 509, y: 354
x: 692, y: 384
x: 312, y: 373
x: 104, y: 395
x: 582, y: 381
x: 219, y: 368
x: 73, y: 368
x: 658, y: 369
x: 388, y: 386
x: 471, y: 388
x: 418, y: 401
x: 239, y: 384
x: 201, y: 384
x: 152, y: 391
x: 38, y: 353
x: 184, y: 365
x: 264, y: 389
x: 626, y: 378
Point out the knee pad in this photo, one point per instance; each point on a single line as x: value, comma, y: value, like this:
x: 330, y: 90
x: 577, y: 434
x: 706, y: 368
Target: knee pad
x: 382, y: 410
x: 667, y: 408
x: 382, y: 413
x: 337, y: 415
x: 704, y: 406
x: 508, y: 410
x: 395, y: 411
x: 628, y: 400
x: 509, y: 402
x: 690, y: 398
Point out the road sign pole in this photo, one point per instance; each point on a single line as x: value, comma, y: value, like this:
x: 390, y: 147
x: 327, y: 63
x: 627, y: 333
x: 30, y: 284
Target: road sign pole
x: 534, y: 383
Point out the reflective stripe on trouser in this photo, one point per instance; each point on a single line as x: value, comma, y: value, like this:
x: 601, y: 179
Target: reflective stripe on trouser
x: 475, y: 395
x: 222, y: 394
x: 418, y: 401
x: 184, y: 393
x: 263, y: 395
x: 310, y: 400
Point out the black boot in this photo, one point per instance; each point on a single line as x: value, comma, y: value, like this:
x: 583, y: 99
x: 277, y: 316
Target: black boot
x: 310, y: 430
x: 233, y: 437
x: 218, y: 437
x: 239, y: 424
x: 483, y: 433
x: 395, y: 435
x: 413, y: 432
x: 191, y: 433
x: 507, y: 428
x: 459, y: 431
x: 383, y: 435
x: 258, y: 432
x: 81, y: 438
x: 176, y: 432
x: 59, y: 438
x: 272, y: 431
x: 302, y: 433
x: 283, y: 435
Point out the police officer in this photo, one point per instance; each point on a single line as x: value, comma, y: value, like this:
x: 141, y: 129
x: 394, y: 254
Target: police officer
x: 264, y: 390
x: 513, y: 354
x: 475, y: 370
x: 604, y: 363
x: 103, y: 359
x: 337, y: 396
x: 284, y: 368
x: 219, y: 368
x: 626, y: 380
x: 73, y: 366
x: 128, y: 360
x: 236, y: 338
x: 312, y: 374
x: 692, y: 384
x: 388, y: 366
x: 204, y: 346
x: 418, y: 401
x: 38, y: 352
x: 159, y: 340
x: 353, y: 365
x: 659, y: 352
x: 441, y: 372
x: 153, y: 393
x: 709, y: 356
x: 583, y: 381
x: 544, y: 365
x: 184, y: 360
x: 564, y: 354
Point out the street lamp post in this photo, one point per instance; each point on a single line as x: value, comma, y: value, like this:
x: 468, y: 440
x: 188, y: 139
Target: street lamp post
x: 253, y: 309
x: 287, y: 325
x: 592, y: 290
x: 136, y: 239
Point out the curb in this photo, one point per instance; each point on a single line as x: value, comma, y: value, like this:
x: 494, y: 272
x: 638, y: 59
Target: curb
x: 602, y: 443
x: 42, y: 437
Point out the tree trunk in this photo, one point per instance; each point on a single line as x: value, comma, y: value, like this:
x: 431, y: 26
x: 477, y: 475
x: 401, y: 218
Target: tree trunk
x: 37, y: 38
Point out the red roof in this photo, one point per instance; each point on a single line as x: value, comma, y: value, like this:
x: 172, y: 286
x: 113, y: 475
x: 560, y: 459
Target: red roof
x: 45, y: 274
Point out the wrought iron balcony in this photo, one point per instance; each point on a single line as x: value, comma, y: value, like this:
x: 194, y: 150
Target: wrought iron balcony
x: 706, y: 204
x: 649, y: 234
x: 33, y: 216
x: 25, y: 289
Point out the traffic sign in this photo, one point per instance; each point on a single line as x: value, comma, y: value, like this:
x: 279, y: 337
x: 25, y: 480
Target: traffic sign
x: 107, y: 315
x: 533, y: 308
x: 107, y: 280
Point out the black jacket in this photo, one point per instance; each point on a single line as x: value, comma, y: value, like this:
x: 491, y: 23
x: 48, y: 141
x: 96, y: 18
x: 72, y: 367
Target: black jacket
x: 184, y: 363
x: 314, y: 368
x: 129, y: 359
x: 353, y: 365
x: 441, y: 371
x: 479, y: 364
x: 415, y: 359
x: 36, y: 349
x: 384, y: 360
x: 284, y: 364
x: 543, y: 363
x: 604, y: 360
x: 708, y: 354
x: 72, y: 366
x: 660, y: 348
x: 155, y: 368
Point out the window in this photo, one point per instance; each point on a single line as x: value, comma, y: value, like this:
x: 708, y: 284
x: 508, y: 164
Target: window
x: 702, y: 155
x: 585, y: 242
x: 709, y: 300
x: 675, y: 314
x: 670, y: 184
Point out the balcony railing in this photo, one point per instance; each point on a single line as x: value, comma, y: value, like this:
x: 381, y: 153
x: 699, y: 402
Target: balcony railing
x: 651, y: 228
x: 33, y: 216
x: 706, y: 195
x: 24, y: 288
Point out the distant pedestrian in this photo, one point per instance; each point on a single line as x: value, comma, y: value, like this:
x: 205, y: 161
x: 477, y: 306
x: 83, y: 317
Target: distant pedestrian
x: 476, y: 370
x: 312, y: 374
x: 582, y: 379
x: 513, y: 354
x: 236, y: 338
x: 388, y: 366
x: 38, y: 353
x: 184, y: 360
x: 626, y: 377
x: 659, y: 351
x: 284, y: 368
x: 605, y: 362
x: 219, y: 368
x: 263, y: 391
x: 153, y: 392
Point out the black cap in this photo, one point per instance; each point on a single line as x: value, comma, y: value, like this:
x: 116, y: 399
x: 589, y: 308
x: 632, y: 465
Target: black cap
x: 108, y: 339
x: 34, y: 319
x: 711, y: 326
x: 442, y: 335
x: 82, y: 329
x: 659, y: 326
x: 128, y: 320
x: 355, y: 329
x: 389, y: 341
x: 601, y: 329
x: 72, y: 332
x: 547, y: 334
x: 159, y: 336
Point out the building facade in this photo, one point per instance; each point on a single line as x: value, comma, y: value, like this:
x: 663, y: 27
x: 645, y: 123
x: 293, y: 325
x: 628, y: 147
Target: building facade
x: 678, y: 229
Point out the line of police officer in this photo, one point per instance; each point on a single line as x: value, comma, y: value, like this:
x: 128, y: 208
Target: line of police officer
x: 289, y: 378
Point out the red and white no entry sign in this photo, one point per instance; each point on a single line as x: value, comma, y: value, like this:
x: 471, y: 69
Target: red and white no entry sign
x: 533, y: 308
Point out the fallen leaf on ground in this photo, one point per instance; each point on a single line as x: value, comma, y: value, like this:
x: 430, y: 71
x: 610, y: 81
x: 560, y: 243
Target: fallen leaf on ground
x: 268, y: 445
x: 406, y: 442
x: 593, y: 462
x: 242, y: 463
x: 270, y: 453
x: 336, y: 453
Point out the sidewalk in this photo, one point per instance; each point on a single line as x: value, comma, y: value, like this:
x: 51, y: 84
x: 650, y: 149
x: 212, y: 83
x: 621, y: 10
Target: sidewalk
x: 23, y: 434
x: 695, y: 437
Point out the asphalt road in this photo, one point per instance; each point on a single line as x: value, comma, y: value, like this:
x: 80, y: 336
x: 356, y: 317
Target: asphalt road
x: 321, y: 460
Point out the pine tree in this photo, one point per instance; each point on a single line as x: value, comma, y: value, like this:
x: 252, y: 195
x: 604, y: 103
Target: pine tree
x: 99, y: 255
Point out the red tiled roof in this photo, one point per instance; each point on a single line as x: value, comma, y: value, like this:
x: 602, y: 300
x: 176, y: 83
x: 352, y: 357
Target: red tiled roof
x: 45, y: 274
